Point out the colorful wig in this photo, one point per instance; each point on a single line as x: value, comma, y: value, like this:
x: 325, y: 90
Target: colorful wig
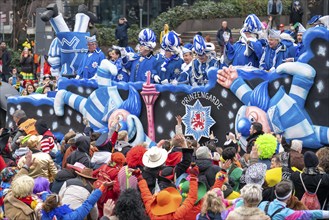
x: 41, y: 184
x: 266, y: 145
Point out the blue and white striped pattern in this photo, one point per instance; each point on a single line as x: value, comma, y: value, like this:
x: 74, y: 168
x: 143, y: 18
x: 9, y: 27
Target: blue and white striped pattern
x: 58, y: 24
x: 147, y: 38
x: 170, y: 41
x: 97, y: 108
x: 241, y: 90
x: 199, y: 44
x: 81, y: 22
x: 54, y: 54
x: 103, y: 78
x: 252, y: 24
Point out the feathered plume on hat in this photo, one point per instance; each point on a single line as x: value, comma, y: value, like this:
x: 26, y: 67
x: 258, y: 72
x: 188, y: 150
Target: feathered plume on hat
x: 199, y: 44
x: 147, y: 38
x: 252, y: 24
x: 170, y: 42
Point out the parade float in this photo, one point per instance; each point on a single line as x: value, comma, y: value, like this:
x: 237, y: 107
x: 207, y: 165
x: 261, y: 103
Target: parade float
x: 292, y: 100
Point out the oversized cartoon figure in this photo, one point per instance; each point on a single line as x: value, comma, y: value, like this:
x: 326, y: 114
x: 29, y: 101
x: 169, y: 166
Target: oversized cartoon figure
x: 67, y: 49
x: 105, y: 104
x: 283, y: 113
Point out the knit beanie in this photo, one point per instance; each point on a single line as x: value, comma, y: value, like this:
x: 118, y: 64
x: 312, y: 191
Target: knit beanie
x: 310, y: 159
x: 41, y: 126
x: 203, y: 153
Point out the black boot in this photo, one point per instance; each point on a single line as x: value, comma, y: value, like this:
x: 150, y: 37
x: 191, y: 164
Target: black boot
x: 51, y: 12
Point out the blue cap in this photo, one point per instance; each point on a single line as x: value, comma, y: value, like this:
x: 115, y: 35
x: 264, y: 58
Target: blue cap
x: 314, y: 19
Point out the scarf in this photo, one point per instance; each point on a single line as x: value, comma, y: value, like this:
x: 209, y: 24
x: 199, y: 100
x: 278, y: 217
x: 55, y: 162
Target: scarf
x: 312, y: 171
x: 57, y: 213
x: 28, y: 200
x: 167, y: 61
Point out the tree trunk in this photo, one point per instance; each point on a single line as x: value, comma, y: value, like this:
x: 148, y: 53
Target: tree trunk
x: 19, y: 20
x: 90, y: 4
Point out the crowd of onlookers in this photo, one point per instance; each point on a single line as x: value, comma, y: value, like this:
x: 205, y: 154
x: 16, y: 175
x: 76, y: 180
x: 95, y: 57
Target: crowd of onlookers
x: 92, y: 175
x: 101, y: 176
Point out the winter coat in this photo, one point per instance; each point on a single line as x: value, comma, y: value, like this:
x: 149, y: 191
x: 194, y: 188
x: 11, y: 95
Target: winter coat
x: 6, y: 59
x: 251, y: 140
x: 220, y: 37
x: 181, y: 212
x: 210, y: 216
x: 60, y: 178
x: 207, y: 171
x: 114, y: 192
x: 311, y: 182
x: 183, y: 165
x: 123, y: 147
x: 272, y: 58
x: 43, y: 166
x: 74, y: 192
x: 67, y: 154
x: 81, y: 155
x: 284, y: 213
x: 81, y: 212
x: 100, y: 158
x: 296, y: 14
x: 25, y: 126
x: 164, y: 183
x: 18, y: 210
x: 296, y: 160
x: 174, y: 156
x: 121, y: 31
x: 27, y: 64
x: 247, y: 213
x: 150, y: 175
x: 47, y: 142
x: 235, y: 54
x: 196, y: 209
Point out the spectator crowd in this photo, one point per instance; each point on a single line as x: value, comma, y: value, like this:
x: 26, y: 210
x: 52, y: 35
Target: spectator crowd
x: 101, y: 176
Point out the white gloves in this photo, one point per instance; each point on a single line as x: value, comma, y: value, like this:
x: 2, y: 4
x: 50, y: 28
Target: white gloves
x: 157, y: 79
x: 174, y: 82
x: 123, y: 52
x: 77, y: 77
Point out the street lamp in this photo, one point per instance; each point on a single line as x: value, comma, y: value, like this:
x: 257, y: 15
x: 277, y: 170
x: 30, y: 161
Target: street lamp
x: 141, y: 3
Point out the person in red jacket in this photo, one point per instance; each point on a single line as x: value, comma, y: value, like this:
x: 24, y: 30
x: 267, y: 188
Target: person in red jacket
x: 109, y: 172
